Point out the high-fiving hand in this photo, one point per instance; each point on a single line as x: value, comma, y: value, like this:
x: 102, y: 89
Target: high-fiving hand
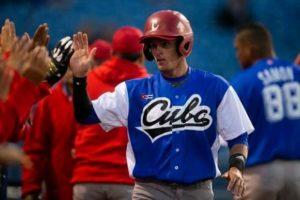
x: 33, y: 64
x: 41, y: 36
x: 81, y: 60
x: 37, y: 65
x: 60, y: 59
x: 8, y: 36
x: 19, y: 53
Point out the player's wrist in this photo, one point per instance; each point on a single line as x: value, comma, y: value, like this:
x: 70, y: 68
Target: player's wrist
x: 79, y: 81
x: 55, y: 72
x: 237, y: 161
x: 79, y: 74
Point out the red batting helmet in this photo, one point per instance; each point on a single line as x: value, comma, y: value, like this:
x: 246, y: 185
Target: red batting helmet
x: 168, y: 24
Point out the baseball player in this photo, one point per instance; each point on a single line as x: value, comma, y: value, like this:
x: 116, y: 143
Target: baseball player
x: 173, y: 117
x: 32, y: 77
x: 100, y: 170
x: 48, y: 143
x: 269, y: 89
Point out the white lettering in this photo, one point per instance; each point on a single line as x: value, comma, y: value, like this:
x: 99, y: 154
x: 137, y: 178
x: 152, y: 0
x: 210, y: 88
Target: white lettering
x: 275, y: 74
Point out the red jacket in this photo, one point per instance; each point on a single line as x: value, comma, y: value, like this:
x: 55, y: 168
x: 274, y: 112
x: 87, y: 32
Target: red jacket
x: 14, y: 112
x: 49, y: 145
x: 101, y: 157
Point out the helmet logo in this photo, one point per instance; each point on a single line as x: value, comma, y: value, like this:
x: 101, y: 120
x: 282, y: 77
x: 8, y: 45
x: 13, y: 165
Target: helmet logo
x: 154, y: 25
x: 180, y: 27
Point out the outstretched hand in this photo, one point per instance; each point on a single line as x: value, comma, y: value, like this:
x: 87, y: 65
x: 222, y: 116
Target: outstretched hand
x: 81, y: 60
x: 19, y: 53
x: 34, y: 64
x: 41, y: 36
x: 8, y: 36
x: 60, y: 60
x: 37, y: 65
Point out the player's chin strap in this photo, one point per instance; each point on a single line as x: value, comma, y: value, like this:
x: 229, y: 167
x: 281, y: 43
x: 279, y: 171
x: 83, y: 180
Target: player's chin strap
x: 237, y: 160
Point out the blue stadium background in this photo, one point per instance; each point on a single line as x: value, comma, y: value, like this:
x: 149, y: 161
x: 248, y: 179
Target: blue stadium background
x: 212, y: 50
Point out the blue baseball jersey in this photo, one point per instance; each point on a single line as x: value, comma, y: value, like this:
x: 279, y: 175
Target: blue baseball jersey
x: 270, y: 93
x: 173, y: 131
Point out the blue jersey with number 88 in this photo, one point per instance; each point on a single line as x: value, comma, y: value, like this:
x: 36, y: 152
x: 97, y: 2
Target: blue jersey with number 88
x: 270, y: 93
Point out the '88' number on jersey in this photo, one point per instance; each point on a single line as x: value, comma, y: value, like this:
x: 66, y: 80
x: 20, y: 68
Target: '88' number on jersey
x: 282, y: 101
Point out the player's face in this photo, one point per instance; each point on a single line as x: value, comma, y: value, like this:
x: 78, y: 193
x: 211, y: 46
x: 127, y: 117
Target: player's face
x: 165, y: 54
x: 243, y: 53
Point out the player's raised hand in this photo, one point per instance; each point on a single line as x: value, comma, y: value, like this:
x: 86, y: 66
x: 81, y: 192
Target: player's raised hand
x: 19, y: 53
x: 6, y: 76
x: 37, y: 65
x: 41, y: 36
x: 236, y: 182
x: 33, y: 64
x: 81, y: 60
x: 8, y: 36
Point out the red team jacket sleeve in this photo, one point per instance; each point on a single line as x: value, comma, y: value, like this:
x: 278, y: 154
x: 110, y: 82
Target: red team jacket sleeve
x: 14, y: 112
x: 36, y: 146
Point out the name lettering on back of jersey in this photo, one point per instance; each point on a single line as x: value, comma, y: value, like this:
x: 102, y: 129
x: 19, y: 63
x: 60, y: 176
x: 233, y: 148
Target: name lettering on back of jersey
x: 160, y: 118
x: 275, y: 74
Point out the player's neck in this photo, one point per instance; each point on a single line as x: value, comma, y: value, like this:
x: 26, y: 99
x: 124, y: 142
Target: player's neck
x: 178, y: 71
x: 266, y: 55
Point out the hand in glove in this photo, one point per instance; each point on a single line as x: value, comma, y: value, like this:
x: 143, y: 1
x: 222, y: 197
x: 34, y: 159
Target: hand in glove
x: 60, y: 58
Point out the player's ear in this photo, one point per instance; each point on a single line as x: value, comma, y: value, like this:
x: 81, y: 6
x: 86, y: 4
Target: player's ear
x: 178, y: 42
